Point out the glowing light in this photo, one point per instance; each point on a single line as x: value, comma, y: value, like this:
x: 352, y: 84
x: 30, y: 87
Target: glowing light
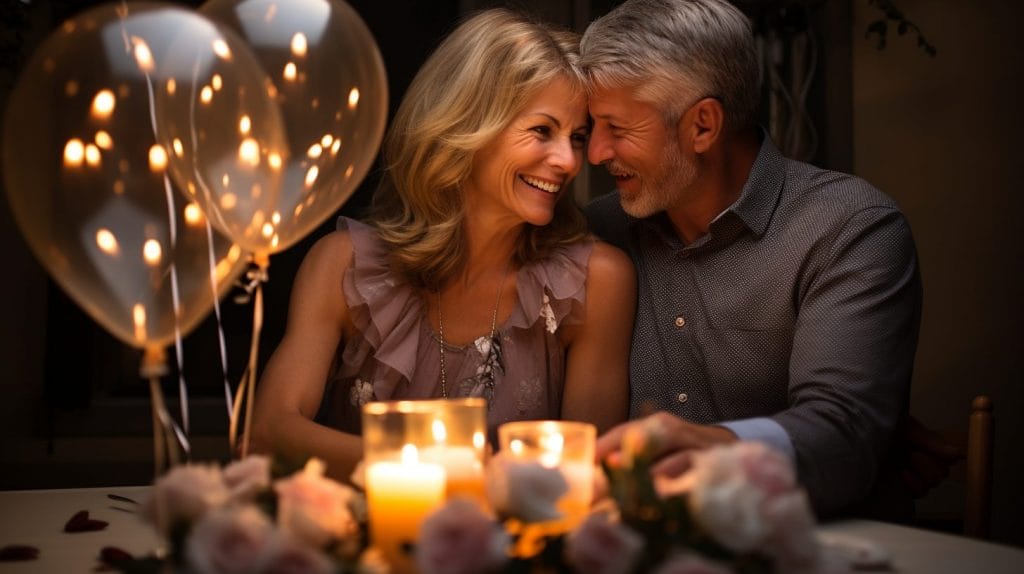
x: 139, y: 318
x: 143, y: 55
x: 256, y: 191
x: 298, y: 210
x: 244, y: 125
x: 118, y: 187
x: 107, y: 243
x: 290, y: 71
x: 439, y: 431
x: 74, y: 152
x: 336, y: 146
x: 311, y: 175
x: 123, y: 166
x: 217, y: 82
x: 157, y: 158
x: 71, y: 88
x: 152, y: 252
x: 172, y: 86
x: 516, y: 446
x: 206, y: 94
x: 326, y: 140
x: 249, y: 152
x: 479, y: 440
x: 193, y: 214
x: 179, y: 150
x: 409, y: 454
x: 103, y: 140
x: 353, y: 98
x: 103, y: 104
x: 274, y: 241
x: 220, y: 47
x: 348, y: 171
x: 274, y: 159
x: 268, y: 229
x: 92, y: 155
x: 225, y: 180
x: 228, y: 201
x: 191, y: 187
x: 314, y: 151
x: 299, y: 44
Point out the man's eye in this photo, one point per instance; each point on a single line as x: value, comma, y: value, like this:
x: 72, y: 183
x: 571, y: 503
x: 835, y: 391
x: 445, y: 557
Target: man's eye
x: 579, y: 140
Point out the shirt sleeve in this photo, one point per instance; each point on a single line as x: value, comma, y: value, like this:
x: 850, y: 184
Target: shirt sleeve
x: 852, y: 356
x: 763, y: 429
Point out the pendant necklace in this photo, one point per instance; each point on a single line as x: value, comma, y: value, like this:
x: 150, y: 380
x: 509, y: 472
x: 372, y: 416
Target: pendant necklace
x: 489, y: 346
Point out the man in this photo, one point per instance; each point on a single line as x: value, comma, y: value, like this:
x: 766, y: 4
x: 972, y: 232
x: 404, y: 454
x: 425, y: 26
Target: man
x: 777, y: 301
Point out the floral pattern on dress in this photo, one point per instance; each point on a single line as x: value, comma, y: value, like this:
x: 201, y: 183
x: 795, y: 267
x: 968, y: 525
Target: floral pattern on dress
x: 481, y: 384
x: 361, y: 392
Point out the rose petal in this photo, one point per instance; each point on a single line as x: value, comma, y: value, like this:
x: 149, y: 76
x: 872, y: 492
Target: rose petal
x: 18, y: 553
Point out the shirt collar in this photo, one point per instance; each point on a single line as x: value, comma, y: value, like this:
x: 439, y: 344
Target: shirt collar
x: 760, y: 194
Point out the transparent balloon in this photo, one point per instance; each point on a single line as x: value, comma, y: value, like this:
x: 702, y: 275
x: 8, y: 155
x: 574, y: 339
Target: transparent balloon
x: 330, y: 85
x: 87, y: 180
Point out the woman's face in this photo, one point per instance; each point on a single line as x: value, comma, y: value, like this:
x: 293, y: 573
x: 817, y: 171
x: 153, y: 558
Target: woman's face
x: 520, y: 175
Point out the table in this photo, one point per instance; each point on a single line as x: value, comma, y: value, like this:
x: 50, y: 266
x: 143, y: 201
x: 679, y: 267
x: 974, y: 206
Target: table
x: 37, y: 518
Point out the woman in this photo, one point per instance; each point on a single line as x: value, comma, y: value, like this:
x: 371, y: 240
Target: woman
x: 475, y: 275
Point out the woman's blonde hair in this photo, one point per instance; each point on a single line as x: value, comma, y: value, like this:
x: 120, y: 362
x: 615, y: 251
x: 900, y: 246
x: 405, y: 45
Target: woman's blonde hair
x: 468, y: 91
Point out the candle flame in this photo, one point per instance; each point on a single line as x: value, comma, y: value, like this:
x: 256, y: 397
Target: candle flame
x: 479, y: 440
x: 409, y: 454
x: 439, y: 430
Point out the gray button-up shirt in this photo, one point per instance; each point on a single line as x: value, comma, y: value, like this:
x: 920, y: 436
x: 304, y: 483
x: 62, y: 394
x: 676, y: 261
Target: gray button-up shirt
x: 800, y: 309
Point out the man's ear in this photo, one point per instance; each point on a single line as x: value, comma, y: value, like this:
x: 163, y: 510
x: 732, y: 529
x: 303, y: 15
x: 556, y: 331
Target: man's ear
x: 702, y: 125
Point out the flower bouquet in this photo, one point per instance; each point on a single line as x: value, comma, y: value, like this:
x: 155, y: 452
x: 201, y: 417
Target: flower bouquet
x: 737, y: 509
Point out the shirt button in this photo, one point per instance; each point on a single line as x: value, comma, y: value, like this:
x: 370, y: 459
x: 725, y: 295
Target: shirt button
x: 682, y: 397
x: 680, y: 321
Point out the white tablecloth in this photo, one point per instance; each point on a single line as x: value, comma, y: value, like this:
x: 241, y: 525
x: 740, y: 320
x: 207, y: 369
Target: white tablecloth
x: 37, y: 517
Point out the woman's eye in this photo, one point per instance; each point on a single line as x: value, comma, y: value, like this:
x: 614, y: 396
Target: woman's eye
x: 542, y: 130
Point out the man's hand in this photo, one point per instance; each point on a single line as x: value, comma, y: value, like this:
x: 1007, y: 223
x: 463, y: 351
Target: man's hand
x: 671, y: 440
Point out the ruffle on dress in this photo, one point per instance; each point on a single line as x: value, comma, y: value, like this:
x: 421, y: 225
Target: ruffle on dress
x: 389, y: 312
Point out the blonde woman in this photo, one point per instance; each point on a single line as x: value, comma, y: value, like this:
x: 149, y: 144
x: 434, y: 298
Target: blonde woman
x: 475, y: 275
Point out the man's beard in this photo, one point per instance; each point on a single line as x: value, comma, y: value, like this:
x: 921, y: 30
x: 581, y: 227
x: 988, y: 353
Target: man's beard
x: 672, y: 182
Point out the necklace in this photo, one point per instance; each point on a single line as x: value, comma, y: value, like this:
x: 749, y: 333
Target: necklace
x: 489, y: 347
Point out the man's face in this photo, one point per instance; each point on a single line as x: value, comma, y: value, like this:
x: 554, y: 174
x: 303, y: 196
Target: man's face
x: 630, y: 138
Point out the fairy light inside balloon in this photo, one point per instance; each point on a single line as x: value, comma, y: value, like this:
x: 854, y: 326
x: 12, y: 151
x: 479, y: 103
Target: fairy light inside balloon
x: 299, y: 44
x: 268, y: 229
x: 157, y: 158
x: 274, y: 159
x: 225, y: 180
x: 139, y: 319
x: 103, y: 140
x: 275, y: 218
x: 220, y: 47
x: 228, y: 201
x: 290, y: 72
x: 103, y: 104
x: 92, y: 155
x: 353, y: 99
x: 70, y: 88
x: 249, y: 152
x: 143, y: 56
x: 348, y: 171
x: 314, y: 151
x: 311, y: 175
x: 193, y: 214
x: 206, y: 94
x: 152, y: 253
x: 171, y: 86
x: 179, y: 149
x: 74, y: 152
x: 217, y: 82
x: 336, y: 146
x: 244, y: 125
x: 107, y: 242
x: 326, y: 140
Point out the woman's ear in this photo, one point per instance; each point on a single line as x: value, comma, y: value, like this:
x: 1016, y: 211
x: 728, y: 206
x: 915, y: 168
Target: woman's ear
x: 702, y: 124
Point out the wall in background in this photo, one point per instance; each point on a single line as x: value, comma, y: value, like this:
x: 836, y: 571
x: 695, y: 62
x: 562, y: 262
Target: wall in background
x: 942, y: 136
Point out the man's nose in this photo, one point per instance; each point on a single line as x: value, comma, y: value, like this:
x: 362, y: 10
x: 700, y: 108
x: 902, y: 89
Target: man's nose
x: 599, y: 149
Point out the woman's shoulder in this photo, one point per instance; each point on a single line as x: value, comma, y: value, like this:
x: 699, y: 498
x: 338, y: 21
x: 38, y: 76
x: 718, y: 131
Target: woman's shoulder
x: 609, y: 262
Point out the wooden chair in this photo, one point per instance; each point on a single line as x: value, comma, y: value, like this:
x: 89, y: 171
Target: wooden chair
x: 980, y: 444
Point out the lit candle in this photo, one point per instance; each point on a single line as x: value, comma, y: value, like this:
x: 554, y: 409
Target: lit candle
x: 463, y: 469
x: 399, y: 496
x: 563, y: 445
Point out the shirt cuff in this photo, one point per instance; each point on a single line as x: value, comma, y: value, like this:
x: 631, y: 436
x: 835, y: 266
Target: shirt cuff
x: 764, y: 430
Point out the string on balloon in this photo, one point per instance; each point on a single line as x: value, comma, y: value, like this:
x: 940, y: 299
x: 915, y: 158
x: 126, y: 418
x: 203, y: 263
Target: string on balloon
x: 256, y: 276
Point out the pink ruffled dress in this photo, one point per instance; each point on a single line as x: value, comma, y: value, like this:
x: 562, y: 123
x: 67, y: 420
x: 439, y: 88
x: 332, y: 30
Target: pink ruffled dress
x: 396, y: 355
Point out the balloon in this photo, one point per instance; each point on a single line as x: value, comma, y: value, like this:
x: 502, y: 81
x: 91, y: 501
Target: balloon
x: 329, y: 82
x: 86, y: 178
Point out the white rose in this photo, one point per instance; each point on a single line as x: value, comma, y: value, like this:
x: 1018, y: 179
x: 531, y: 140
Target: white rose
x: 229, y: 540
x: 526, y: 491
x: 247, y: 477
x: 183, y: 495
x: 314, y: 508
x: 460, y: 539
x: 600, y: 546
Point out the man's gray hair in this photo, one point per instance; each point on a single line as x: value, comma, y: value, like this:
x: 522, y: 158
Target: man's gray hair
x: 675, y: 52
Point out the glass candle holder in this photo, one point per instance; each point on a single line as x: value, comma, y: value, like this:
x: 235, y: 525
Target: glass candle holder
x: 416, y: 455
x: 565, y: 445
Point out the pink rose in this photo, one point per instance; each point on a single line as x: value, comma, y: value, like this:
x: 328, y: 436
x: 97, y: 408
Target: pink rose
x: 792, y: 542
x: 600, y: 546
x: 183, y: 495
x: 524, y: 490
x: 287, y: 555
x: 247, y: 477
x: 229, y: 540
x: 687, y: 563
x: 314, y: 508
x: 732, y: 486
x: 460, y: 539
